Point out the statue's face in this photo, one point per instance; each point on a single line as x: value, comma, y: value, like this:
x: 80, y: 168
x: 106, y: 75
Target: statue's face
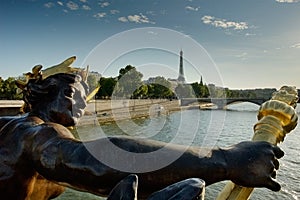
x: 69, y: 105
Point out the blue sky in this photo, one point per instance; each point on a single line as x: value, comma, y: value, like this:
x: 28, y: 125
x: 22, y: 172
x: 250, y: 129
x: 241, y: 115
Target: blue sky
x: 245, y: 44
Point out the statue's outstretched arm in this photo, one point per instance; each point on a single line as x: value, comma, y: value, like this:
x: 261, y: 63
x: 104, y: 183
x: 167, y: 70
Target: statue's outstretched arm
x: 68, y: 162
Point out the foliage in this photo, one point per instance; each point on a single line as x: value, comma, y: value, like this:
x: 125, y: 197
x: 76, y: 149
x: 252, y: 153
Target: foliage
x: 160, y: 88
x: 107, y: 86
x: 129, y: 80
x: 8, y: 89
x: 200, y: 90
x: 141, y: 92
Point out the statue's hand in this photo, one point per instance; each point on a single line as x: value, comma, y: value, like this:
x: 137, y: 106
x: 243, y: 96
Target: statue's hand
x: 253, y: 164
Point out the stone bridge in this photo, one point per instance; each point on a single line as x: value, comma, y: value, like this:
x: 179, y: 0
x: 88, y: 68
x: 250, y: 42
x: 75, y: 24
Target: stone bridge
x: 221, y: 103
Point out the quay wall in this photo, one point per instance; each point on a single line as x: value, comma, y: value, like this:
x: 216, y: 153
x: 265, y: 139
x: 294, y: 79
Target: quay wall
x: 114, y: 110
x: 10, y: 107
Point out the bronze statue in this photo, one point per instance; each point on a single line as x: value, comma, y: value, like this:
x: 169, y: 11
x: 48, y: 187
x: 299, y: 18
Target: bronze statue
x: 38, y: 144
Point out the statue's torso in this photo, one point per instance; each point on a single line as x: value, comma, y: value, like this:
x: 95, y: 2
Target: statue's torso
x: 17, y: 175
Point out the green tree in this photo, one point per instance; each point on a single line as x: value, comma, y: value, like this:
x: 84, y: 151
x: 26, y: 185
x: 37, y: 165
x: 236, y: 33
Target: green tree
x: 129, y: 80
x: 151, y: 91
x: 204, y: 91
x: 141, y: 92
x: 8, y: 89
x: 228, y: 93
x: 160, y: 88
x: 107, y: 86
x: 197, y: 89
x: 200, y: 90
x: 1, y: 88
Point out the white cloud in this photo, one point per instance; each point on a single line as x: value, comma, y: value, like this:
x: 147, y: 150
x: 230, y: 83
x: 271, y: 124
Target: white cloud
x: 136, y: 19
x: 113, y: 12
x: 123, y: 19
x: 72, y: 6
x: 99, y: 15
x: 104, y: 4
x: 190, y: 8
x: 297, y: 46
x: 49, y: 5
x: 287, y: 1
x: 139, y: 18
x: 207, y: 19
x: 223, y: 23
x: 86, y: 7
x: 60, y: 3
x: 250, y: 34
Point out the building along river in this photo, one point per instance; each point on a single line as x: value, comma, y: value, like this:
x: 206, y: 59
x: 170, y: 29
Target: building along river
x: 206, y: 128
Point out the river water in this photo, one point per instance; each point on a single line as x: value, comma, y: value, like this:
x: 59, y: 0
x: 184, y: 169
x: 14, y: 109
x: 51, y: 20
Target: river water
x: 207, y: 128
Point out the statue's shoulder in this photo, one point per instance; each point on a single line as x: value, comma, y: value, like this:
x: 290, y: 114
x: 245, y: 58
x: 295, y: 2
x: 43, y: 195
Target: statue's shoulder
x: 4, y: 120
x: 7, y: 120
x: 34, y: 125
x: 59, y: 129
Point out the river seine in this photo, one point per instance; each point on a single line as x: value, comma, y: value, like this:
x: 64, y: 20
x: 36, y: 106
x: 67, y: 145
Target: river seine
x: 208, y: 128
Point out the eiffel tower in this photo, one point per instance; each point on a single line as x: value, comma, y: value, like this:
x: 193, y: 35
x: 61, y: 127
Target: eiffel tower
x: 181, y: 78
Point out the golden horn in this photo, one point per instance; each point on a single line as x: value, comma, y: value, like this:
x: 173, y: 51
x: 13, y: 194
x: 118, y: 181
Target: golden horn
x: 92, y: 94
x: 63, y: 67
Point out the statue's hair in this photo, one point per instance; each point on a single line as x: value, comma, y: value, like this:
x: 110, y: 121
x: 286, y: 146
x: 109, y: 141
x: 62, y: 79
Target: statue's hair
x: 39, y: 92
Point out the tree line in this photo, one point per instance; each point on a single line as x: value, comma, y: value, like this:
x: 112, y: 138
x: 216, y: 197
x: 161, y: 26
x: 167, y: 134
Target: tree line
x: 9, y: 89
x: 129, y: 84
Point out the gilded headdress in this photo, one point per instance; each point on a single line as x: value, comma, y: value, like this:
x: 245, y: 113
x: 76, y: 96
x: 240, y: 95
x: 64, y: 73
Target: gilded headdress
x: 38, y: 75
x: 64, y: 67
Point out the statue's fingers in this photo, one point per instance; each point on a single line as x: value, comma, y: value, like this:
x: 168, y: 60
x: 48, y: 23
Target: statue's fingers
x: 278, y: 152
x: 276, y: 164
x: 273, y: 185
x: 273, y: 174
x: 126, y: 189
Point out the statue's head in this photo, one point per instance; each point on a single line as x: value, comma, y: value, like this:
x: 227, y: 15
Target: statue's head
x: 60, y: 98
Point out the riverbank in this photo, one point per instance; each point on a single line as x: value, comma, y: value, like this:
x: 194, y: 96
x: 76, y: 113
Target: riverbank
x: 108, y: 111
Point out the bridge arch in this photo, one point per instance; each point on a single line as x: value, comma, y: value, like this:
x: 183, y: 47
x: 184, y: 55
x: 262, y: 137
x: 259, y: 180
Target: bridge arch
x: 221, y: 103
x: 254, y: 101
